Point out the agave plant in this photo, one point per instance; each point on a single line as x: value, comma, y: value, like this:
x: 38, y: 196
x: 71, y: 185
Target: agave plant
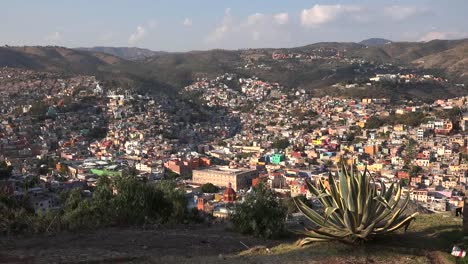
x: 355, y: 210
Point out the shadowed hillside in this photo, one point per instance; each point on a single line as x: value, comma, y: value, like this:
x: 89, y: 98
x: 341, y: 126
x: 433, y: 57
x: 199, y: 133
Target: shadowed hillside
x: 128, y: 53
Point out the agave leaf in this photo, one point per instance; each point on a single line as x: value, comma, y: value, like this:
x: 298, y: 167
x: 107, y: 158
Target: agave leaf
x: 326, y: 197
x: 362, y: 194
x: 397, y: 196
x: 366, y: 232
x: 343, y: 186
x: 406, y: 202
x: 313, y: 216
x: 316, y: 235
x: 329, y: 211
x: 349, y: 221
x: 350, y: 201
x: 383, y: 188
x: 309, y: 240
x: 392, y: 219
x: 334, y: 191
x: 333, y: 233
x: 382, y: 201
x: 389, y: 193
x: 322, y: 195
x: 312, y: 188
x: 337, y: 219
x: 401, y: 223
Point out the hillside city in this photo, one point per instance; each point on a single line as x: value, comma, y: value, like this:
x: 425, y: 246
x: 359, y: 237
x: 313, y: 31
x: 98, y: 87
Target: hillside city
x: 62, y: 132
x: 234, y: 132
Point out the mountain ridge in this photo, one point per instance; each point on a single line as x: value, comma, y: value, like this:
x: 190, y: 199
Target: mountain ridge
x: 128, y: 53
x: 170, y: 71
x: 375, y: 42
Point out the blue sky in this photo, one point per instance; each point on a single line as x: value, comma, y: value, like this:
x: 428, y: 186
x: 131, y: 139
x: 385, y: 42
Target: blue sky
x: 177, y: 25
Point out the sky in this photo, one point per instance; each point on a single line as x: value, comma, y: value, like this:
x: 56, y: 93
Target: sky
x: 176, y: 25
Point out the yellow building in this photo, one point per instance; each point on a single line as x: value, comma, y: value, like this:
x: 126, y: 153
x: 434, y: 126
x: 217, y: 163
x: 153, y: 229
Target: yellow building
x: 375, y: 167
x: 399, y: 127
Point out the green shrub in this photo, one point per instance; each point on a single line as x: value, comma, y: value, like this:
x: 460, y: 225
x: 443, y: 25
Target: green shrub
x: 261, y: 214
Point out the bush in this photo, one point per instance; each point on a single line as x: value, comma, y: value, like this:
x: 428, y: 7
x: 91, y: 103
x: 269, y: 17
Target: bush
x: 125, y: 200
x: 209, y: 188
x: 261, y: 214
x: 280, y: 143
x: 5, y: 170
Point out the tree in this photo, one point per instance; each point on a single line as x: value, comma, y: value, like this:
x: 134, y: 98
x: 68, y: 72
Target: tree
x: 38, y: 108
x: 261, y: 214
x: 170, y: 175
x: 209, y: 188
x: 291, y: 205
x: 280, y: 143
x: 175, y: 201
x: 415, y: 170
x: 404, y: 182
x: 5, y: 170
x: 354, y: 209
x: 374, y: 122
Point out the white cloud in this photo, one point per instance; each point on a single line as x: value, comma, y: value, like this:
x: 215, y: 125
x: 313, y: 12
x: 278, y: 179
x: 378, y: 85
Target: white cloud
x: 222, y: 29
x: 443, y: 35
x: 255, y: 18
x: 321, y: 14
x: 54, y: 37
x: 397, y: 12
x: 254, y: 30
x: 137, y: 36
x: 281, y: 18
x: 187, y: 22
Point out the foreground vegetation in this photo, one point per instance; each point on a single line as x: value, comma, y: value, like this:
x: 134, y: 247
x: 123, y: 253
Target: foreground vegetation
x: 122, y: 201
x: 261, y: 214
x: 428, y: 240
x: 356, y: 208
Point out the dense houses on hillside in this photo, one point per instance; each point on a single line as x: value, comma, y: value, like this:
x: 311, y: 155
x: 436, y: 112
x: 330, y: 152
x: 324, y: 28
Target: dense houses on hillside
x: 231, y: 131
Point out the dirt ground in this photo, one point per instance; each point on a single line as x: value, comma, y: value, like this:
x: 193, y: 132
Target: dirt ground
x: 114, y: 245
x: 429, y: 240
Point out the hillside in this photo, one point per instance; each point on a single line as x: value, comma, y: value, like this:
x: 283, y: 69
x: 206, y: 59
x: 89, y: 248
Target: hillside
x: 375, y: 42
x: 55, y: 59
x: 453, y: 60
x: 127, y: 53
x: 325, y: 64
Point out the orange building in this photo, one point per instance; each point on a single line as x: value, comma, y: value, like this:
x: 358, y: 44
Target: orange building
x: 403, y: 175
x: 205, y: 162
x: 371, y: 150
x: 229, y: 195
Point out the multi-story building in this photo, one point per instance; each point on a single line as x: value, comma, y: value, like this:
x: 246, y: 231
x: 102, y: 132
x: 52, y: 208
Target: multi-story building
x: 419, y: 195
x: 222, y: 176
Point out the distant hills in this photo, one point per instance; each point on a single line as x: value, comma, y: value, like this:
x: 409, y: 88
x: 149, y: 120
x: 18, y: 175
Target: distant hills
x: 128, y: 53
x: 167, y: 72
x: 375, y: 42
x: 52, y: 58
